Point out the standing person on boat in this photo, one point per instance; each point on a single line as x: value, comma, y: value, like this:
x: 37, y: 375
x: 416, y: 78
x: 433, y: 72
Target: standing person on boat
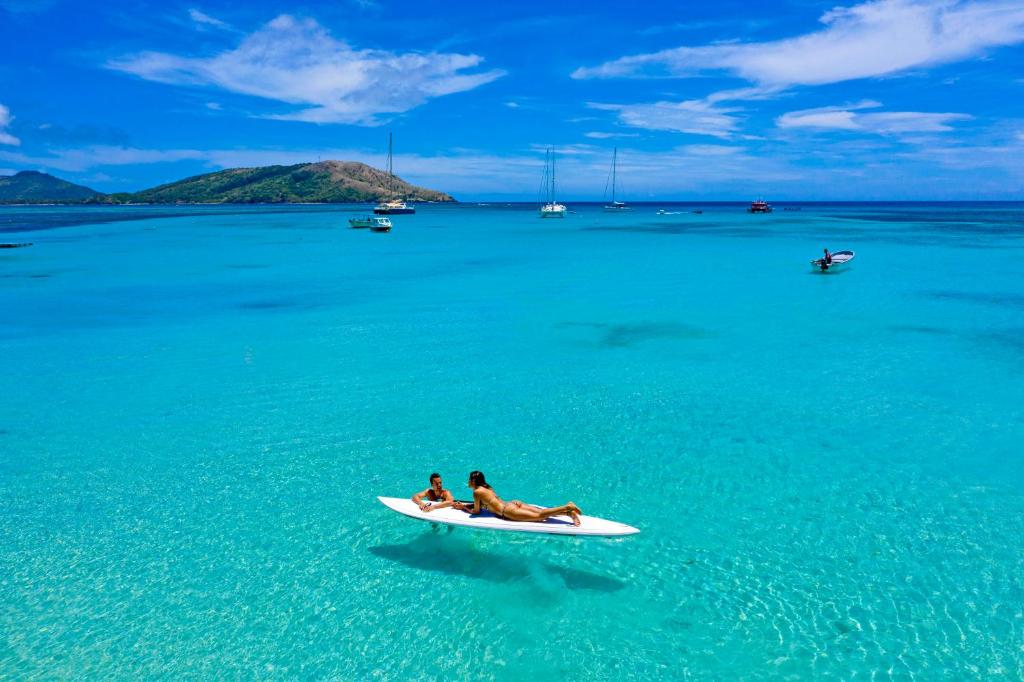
x: 485, y: 498
x: 826, y: 261
x: 435, y: 493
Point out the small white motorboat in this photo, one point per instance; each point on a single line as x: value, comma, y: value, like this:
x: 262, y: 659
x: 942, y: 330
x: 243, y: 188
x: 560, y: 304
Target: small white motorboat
x: 375, y: 223
x: 839, y: 258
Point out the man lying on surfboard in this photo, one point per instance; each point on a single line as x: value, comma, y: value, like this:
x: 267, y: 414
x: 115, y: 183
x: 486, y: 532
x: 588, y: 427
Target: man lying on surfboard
x: 436, y: 493
x: 485, y: 498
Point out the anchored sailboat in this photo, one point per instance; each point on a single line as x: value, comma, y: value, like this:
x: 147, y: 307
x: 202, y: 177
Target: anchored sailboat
x: 615, y: 205
x: 550, y: 208
x: 393, y: 205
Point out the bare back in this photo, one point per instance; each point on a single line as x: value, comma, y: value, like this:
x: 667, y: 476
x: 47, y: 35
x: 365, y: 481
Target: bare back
x: 486, y: 498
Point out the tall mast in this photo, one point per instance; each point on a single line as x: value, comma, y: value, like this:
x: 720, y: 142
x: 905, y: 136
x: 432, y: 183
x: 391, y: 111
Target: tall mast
x: 552, y: 175
x: 615, y: 158
x: 391, y: 174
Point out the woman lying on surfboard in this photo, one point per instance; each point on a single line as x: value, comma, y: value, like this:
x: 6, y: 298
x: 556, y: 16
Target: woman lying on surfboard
x: 485, y: 498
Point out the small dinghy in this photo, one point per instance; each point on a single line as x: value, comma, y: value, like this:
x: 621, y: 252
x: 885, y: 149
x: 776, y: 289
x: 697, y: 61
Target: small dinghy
x: 839, y: 258
x: 375, y: 223
x: 556, y: 525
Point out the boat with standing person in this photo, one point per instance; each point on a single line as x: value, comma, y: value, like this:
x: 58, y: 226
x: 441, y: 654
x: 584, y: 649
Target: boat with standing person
x: 831, y: 261
x: 615, y: 205
x: 550, y: 208
x: 393, y: 205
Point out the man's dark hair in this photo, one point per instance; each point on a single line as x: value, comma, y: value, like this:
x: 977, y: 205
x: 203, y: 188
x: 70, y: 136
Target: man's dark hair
x: 434, y: 475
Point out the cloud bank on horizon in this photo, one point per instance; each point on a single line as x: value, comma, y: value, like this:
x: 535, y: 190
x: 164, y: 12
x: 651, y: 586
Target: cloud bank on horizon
x: 882, y: 99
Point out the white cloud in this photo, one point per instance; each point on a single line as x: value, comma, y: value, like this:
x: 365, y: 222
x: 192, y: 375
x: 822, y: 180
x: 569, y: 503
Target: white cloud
x: 298, y: 62
x: 7, y: 138
x: 711, y: 149
x: 93, y: 156
x: 595, y: 135
x: 5, y: 122
x: 882, y: 123
x: 214, y: 106
x: 203, y: 19
x: 1007, y: 157
x: 698, y: 117
x: 872, y: 39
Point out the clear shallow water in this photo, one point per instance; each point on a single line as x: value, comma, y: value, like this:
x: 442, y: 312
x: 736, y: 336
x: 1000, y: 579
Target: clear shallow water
x: 198, y: 407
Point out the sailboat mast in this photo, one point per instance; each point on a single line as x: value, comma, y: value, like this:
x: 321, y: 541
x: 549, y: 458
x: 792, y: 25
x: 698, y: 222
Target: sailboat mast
x: 552, y: 176
x: 391, y: 174
x: 615, y: 159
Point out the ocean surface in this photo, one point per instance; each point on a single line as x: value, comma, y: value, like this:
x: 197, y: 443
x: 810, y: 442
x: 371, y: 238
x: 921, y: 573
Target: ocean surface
x: 199, y: 406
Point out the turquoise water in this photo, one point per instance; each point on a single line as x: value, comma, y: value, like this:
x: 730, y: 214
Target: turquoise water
x: 199, y: 406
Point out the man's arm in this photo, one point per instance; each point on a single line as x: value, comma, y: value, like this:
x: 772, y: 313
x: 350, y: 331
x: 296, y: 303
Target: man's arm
x: 418, y: 498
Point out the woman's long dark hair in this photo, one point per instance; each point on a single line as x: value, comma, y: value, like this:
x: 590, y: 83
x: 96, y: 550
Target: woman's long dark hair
x: 478, y: 480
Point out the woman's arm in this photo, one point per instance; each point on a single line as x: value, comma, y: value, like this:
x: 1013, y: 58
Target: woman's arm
x: 475, y: 509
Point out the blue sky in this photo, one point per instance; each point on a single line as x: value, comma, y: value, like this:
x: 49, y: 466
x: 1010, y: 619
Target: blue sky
x: 887, y: 99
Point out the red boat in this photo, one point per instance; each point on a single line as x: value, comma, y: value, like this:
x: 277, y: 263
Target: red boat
x: 759, y: 206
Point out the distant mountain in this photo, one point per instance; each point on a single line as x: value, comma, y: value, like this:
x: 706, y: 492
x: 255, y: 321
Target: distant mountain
x: 34, y: 187
x: 323, y: 182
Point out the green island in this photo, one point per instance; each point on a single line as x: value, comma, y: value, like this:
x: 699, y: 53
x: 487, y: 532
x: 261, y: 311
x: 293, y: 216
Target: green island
x: 322, y: 182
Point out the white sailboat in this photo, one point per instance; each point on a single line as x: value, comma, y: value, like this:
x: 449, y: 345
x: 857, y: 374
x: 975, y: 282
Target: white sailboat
x: 392, y: 206
x: 550, y: 208
x: 615, y: 205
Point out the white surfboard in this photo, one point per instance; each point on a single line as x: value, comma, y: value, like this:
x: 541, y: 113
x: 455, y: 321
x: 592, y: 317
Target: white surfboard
x: 556, y: 525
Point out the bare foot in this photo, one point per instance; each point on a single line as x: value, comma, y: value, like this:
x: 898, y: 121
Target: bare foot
x: 574, y: 512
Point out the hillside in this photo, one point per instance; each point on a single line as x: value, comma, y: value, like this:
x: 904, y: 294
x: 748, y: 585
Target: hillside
x: 326, y: 182
x: 35, y: 187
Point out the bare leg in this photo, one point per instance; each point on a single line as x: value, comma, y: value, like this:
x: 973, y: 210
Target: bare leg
x: 525, y: 513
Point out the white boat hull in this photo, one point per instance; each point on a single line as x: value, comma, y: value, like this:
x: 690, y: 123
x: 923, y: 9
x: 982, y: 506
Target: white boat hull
x: 552, y: 211
x: 375, y: 223
x: 839, y: 260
